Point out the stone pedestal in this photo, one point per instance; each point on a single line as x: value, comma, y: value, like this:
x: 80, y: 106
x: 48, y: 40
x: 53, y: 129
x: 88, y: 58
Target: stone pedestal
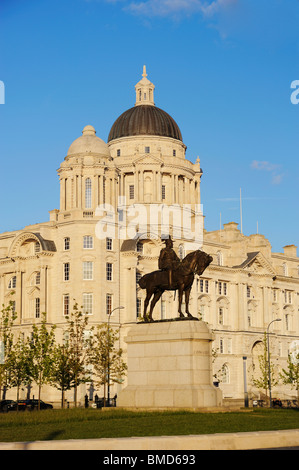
x: 169, y: 366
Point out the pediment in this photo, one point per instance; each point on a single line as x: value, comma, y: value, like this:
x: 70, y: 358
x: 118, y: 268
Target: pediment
x: 33, y: 290
x: 256, y: 263
x: 148, y: 159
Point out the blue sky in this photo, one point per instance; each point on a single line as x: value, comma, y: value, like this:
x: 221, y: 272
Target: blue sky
x: 223, y: 69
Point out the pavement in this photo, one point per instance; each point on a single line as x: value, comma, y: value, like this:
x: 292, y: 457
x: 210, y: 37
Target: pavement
x: 227, y: 441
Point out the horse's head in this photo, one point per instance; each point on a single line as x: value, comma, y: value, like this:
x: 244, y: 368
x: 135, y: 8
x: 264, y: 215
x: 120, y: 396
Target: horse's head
x: 203, y: 260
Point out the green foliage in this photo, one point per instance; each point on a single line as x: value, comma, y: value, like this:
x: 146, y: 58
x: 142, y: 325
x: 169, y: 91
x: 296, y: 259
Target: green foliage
x: 262, y: 382
x: 7, y: 320
x: 291, y: 374
x: 41, y: 351
x: 106, y: 357
x: 63, y: 376
x: 40, y: 359
x: 18, y: 364
x: 78, y: 346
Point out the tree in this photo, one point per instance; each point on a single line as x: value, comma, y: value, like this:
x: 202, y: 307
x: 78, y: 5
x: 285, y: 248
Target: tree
x: 291, y: 374
x: 7, y: 319
x: 106, y: 358
x: 78, y: 345
x: 41, y: 354
x: 18, y: 364
x: 262, y: 382
x: 63, y: 377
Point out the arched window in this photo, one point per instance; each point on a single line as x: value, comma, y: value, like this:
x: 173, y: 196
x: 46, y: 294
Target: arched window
x: 225, y: 374
x: 88, y: 193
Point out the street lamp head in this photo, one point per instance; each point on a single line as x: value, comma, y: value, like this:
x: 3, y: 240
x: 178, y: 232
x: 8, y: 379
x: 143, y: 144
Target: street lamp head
x: 117, y: 308
x: 276, y: 319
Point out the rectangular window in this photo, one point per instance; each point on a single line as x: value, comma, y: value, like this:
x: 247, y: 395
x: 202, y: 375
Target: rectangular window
x: 221, y: 288
x: 87, y: 242
x: 66, y: 243
x: 37, y: 307
x: 204, y: 285
x: 66, y: 304
x: 118, y: 152
x: 174, y: 153
x: 12, y: 283
x: 287, y: 297
x: 147, y: 149
x: 37, y: 279
x: 108, y: 304
x: 221, y: 346
x: 87, y: 304
x: 109, y: 244
x: 87, y: 270
x: 163, y: 191
x: 248, y: 292
x: 109, y: 271
x: 88, y: 193
x: 131, y: 191
x: 66, y: 271
x: 220, y: 316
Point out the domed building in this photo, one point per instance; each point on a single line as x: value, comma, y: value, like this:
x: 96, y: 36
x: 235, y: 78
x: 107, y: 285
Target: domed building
x: 118, y: 200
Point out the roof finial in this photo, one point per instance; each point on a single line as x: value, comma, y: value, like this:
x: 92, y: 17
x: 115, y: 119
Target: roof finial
x: 144, y: 90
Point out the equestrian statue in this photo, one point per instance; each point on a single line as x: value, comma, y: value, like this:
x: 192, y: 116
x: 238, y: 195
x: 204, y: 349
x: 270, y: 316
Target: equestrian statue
x: 173, y: 275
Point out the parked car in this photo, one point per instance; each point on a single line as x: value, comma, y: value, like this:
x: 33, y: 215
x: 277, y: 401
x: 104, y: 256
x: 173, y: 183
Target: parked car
x: 7, y: 405
x: 32, y: 405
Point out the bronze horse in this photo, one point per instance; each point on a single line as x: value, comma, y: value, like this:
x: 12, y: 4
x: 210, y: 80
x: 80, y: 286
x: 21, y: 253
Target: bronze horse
x: 157, y: 282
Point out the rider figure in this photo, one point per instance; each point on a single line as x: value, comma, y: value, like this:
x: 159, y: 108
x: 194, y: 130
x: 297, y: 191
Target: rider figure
x: 168, y: 259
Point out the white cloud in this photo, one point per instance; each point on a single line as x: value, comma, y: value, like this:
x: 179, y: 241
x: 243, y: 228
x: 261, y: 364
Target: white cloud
x: 264, y: 165
x: 164, y: 8
x: 272, y: 168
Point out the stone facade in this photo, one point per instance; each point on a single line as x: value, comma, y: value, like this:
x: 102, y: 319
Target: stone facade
x: 45, y: 266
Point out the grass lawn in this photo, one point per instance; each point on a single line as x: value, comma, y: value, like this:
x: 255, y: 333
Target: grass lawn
x: 93, y: 423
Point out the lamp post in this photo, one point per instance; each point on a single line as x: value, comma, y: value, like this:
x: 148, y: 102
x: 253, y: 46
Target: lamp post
x: 269, y: 366
x: 245, y: 382
x: 108, y: 334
